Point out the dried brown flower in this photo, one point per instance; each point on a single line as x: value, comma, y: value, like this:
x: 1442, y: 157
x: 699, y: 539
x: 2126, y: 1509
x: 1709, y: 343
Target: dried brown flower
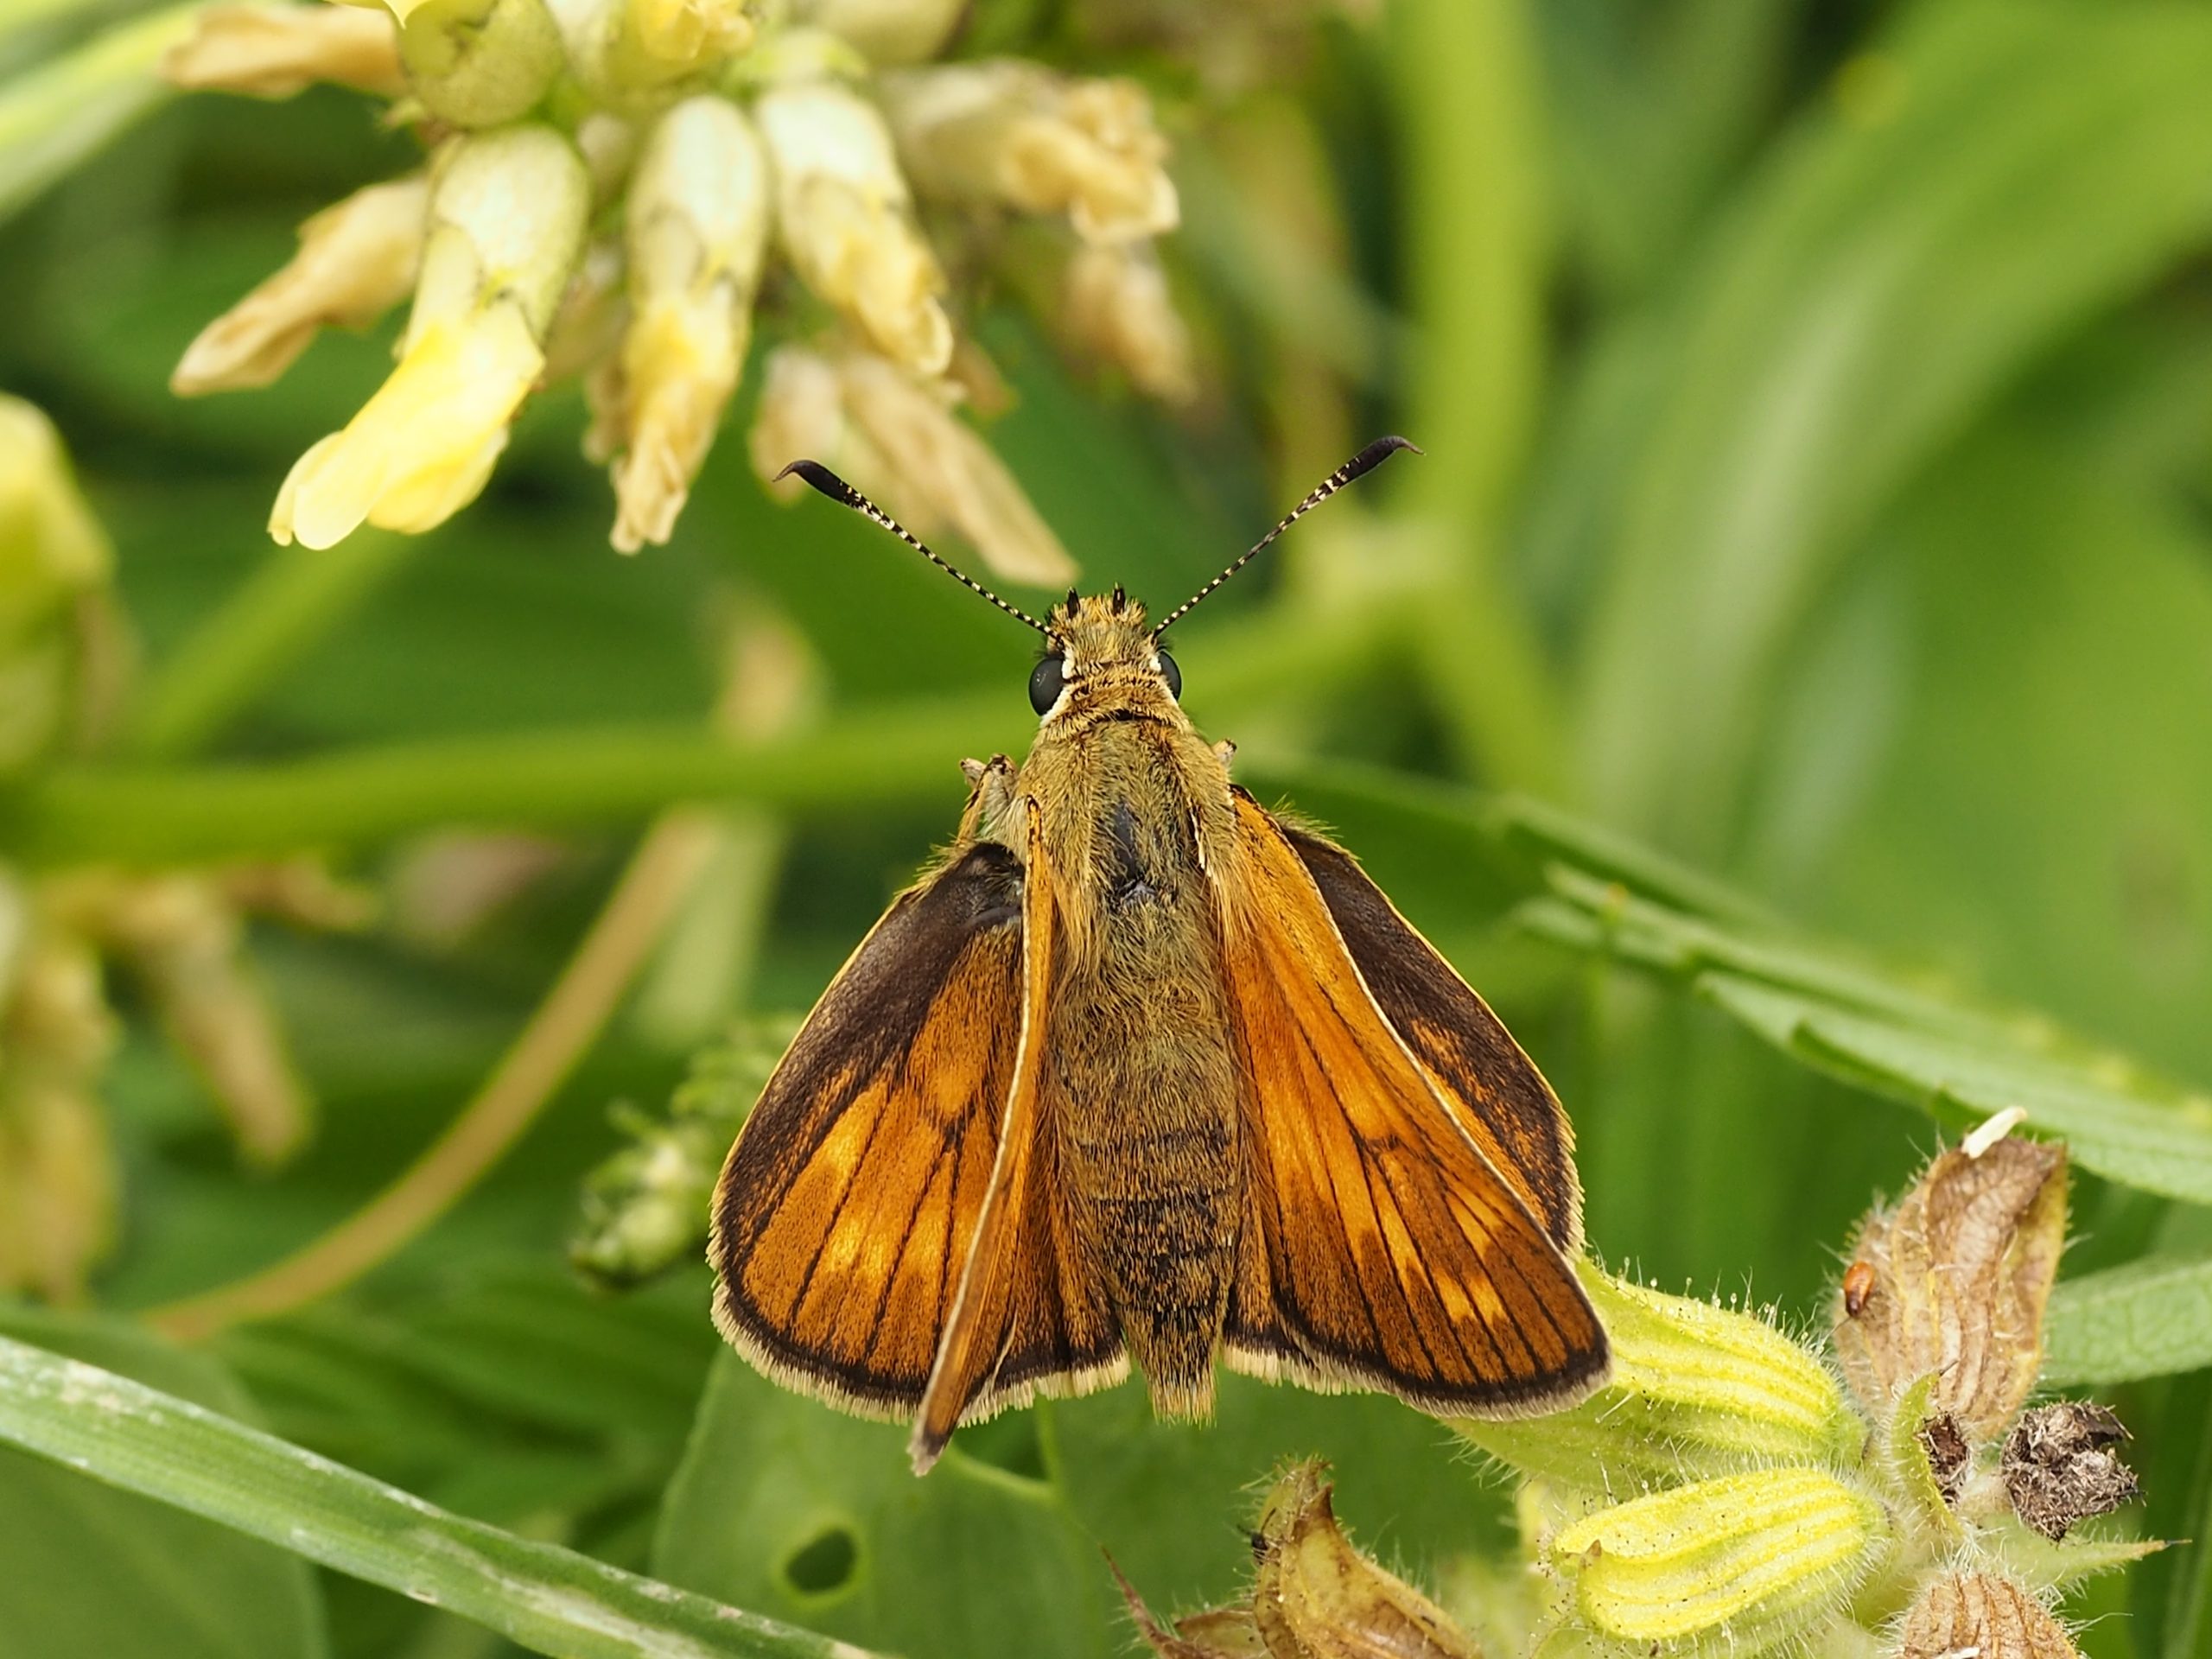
x: 1961, y: 1271
x: 2059, y: 1466
x: 1314, y: 1596
x: 1980, y: 1614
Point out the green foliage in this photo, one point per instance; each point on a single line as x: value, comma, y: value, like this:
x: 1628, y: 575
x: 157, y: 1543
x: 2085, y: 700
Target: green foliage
x: 1781, y: 689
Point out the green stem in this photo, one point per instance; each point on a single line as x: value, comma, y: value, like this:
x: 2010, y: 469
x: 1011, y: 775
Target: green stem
x: 155, y: 815
x: 272, y: 619
x: 1477, y: 251
x: 547, y: 1598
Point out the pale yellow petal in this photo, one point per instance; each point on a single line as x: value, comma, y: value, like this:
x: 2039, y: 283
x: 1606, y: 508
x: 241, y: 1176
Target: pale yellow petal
x: 355, y: 262
x: 277, y: 51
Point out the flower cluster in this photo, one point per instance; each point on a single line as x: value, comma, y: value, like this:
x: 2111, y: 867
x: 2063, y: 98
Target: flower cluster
x: 614, y: 191
x: 1725, y: 1493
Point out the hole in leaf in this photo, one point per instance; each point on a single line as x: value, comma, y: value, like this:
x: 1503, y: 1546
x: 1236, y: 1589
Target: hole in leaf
x: 823, y: 1564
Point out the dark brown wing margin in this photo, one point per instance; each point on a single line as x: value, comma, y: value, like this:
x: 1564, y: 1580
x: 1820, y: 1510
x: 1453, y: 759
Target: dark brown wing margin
x: 1500, y: 1097
x: 844, y: 1213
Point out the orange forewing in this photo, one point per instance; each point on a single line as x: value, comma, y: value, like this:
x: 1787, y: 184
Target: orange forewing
x: 1381, y: 1247
x: 892, y: 1172
x: 1493, y: 1087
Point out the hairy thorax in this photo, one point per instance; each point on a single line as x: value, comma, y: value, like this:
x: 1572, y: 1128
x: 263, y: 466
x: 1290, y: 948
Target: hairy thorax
x: 1139, y: 1080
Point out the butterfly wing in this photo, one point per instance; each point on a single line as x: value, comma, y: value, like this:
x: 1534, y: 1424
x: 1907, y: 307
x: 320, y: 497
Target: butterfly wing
x: 1382, y: 1249
x: 1493, y: 1089
x: 849, y: 1213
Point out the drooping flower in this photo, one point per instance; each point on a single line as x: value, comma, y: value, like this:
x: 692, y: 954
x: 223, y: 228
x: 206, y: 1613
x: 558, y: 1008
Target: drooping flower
x: 357, y: 260
x: 897, y: 440
x: 697, y: 234
x: 505, y: 224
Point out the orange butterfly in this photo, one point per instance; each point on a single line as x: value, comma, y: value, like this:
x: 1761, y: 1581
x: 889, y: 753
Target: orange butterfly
x: 1141, y: 1070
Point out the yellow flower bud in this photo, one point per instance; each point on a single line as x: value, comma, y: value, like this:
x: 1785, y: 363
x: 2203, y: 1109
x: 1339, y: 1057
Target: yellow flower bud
x: 1118, y: 311
x: 479, y: 63
x: 899, y: 442
x: 844, y: 216
x: 1695, y: 1390
x: 1740, y: 1564
x: 57, y: 1174
x: 357, y: 260
x: 698, y: 229
x: 1982, y: 1614
x: 1952, y: 1283
x: 888, y: 31
x: 668, y: 39
x: 278, y: 51
x: 506, y: 224
x: 54, y: 566
x: 1012, y: 132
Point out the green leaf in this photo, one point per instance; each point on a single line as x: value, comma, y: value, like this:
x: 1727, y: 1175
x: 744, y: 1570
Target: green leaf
x: 786, y: 1505
x: 2148, y: 1319
x: 89, y: 1570
x: 1997, y: 172
x: 550, y: 1600
x: 1932, y: 1048
x: 53, y: 116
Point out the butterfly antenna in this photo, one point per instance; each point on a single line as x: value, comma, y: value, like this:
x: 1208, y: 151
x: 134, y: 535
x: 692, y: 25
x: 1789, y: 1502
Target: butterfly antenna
x: 1365, y: 462
x: 837, y: 490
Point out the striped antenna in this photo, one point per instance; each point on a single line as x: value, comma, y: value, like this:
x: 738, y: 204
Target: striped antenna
x: 1365, y: 462
x: 837, y: 490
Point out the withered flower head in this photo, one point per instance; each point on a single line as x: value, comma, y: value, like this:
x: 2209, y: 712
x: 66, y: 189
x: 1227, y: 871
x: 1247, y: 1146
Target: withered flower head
x: 1313, y: 1595
x: 1981, y: 1614
x: 2059, y: 1466
x: 1958, y: 1276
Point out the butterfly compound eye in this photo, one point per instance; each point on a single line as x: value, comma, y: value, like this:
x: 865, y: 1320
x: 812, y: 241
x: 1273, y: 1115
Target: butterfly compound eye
x: 1173, y: 674
x: 1046, y: 681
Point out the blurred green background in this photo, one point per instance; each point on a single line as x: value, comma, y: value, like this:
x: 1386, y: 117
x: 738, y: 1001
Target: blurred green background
x: 1818, y: 408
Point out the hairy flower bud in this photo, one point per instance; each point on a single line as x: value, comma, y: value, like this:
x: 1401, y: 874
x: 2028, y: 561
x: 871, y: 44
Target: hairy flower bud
x: 1957, y: 1277
x: 1117, y: 310
x: 278, y: 51
x: 506, y: 224
x: 844, y: 217
x: 1695, y: 1390
x: 1012, y: 132
x: 697, y: 232
x: 1741, y: 1563
x: 357, y: 260
x: 899, y: 441
x: 57, y: 1174
x: 1981, y: 1614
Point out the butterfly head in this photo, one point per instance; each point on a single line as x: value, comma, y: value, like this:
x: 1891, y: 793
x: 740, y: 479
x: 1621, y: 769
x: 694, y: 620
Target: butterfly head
x: 1100, y: 650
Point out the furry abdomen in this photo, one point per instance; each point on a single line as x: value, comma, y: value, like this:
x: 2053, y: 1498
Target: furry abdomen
x: 1142, y: 1088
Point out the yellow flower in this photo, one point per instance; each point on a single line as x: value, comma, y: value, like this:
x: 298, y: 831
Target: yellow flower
x: 899, y: 441
x: 697, y: 234
x: 506, y: 224
x: 845, y: 219
x: 1012, y: 132
x: 479, y: 63
x: 888, y: 31
x: 356, y: 261
x: 1118, y: 311
x: 277, y: 51
x: 54, y: 567
x: 680, y: 37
